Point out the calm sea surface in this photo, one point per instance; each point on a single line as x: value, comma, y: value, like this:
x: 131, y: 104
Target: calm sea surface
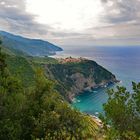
x: 124, y: 62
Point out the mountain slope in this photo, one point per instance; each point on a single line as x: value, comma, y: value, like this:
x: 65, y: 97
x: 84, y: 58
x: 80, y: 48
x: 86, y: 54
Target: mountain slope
x: 71, y: 78
x: 75, y: 77
x: 72, y: 75
x: 33, y: 47
x: 22, y: 68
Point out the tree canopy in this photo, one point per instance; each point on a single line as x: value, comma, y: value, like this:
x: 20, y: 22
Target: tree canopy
x: 38, y: 112
x: 122, y: 113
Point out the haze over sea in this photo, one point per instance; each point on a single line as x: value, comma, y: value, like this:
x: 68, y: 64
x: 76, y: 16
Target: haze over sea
x: 124, y: 62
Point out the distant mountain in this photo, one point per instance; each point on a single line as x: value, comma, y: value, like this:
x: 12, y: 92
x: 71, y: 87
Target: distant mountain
x: 33, y: 47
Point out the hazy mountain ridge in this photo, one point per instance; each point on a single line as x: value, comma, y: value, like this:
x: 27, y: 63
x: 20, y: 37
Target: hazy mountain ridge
x: 33, y: 47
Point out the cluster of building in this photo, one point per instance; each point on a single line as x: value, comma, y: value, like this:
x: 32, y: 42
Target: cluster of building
x: 71, y: 60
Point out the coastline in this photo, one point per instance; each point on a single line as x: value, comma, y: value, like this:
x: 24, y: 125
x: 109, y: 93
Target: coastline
x: 91, y: 86
x: 92, y: 89
x: 77, y: 90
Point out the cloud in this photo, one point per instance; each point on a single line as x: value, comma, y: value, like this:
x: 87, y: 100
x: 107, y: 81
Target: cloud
x: 14, y: 18
x: 121, y: 11
x: 121, y: 24
x: 117, y: 24
x: 69, y: 15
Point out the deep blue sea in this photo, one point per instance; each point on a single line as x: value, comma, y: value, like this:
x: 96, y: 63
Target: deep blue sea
x: 124, y: 62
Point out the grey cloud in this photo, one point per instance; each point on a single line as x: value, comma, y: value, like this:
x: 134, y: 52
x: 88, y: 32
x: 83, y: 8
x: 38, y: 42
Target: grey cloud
x: 15, y: 19
x: 13, y: 3
x: 121, y: 25
x: 124, y: 30
x: 104, y: 1
x: 121, y: 20
x: 121, y: 11
x: 67, y: 34
x: 116, y: 34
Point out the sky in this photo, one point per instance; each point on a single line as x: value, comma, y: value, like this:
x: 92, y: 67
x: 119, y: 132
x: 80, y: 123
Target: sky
x: 74, y: 22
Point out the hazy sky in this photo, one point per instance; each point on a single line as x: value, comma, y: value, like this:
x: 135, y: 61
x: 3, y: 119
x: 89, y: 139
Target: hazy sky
x: 74, y: 22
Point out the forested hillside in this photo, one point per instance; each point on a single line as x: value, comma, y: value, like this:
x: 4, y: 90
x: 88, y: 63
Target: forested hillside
x: 34, y: 47
x: 33, y: 100
x: 39, y: 111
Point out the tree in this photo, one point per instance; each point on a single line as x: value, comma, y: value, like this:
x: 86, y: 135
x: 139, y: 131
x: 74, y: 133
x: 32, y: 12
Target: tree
x: 122, y: 113
x: 49, y: 117
x: 2, y: 61
x: 11, y: 103
x: 38, y: 112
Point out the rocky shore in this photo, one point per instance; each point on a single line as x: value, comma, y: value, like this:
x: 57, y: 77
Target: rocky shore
x: 75, y: 75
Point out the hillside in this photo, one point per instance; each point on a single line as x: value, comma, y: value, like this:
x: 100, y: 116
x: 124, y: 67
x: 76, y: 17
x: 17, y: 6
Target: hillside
x: 21, y: 68
x: 76, y: 75
x: 37, y: 112
x: 33, y: 47
x: 71, y: 75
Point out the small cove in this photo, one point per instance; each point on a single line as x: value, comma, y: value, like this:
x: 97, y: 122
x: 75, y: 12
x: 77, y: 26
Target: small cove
x: 124, y: 62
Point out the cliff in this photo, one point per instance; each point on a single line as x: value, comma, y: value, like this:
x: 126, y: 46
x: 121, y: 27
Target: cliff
x: 71, y: 75
x: 76, y: 75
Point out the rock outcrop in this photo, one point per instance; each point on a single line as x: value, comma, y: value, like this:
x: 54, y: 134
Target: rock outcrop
x: 76, y: 75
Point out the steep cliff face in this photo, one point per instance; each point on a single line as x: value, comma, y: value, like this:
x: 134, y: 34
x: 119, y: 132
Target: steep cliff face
x: 72, y: 76
x: 75, y: 77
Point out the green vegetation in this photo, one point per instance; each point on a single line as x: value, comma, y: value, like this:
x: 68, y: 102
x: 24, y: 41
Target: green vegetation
x: 85, y: 67
x: 34, y: 47
x: 43, y: 60
x: 38, y: 112
x: 88, y: 69
x: 122, y: 114
x: 21, y: 68
x: 24, y: 67
x: 31, y: 107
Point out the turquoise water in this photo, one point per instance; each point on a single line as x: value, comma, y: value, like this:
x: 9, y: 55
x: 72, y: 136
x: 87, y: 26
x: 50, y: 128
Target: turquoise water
x: 124, y: 62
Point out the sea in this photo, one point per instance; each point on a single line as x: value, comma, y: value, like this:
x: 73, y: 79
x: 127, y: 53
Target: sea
x: 122, y: 61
